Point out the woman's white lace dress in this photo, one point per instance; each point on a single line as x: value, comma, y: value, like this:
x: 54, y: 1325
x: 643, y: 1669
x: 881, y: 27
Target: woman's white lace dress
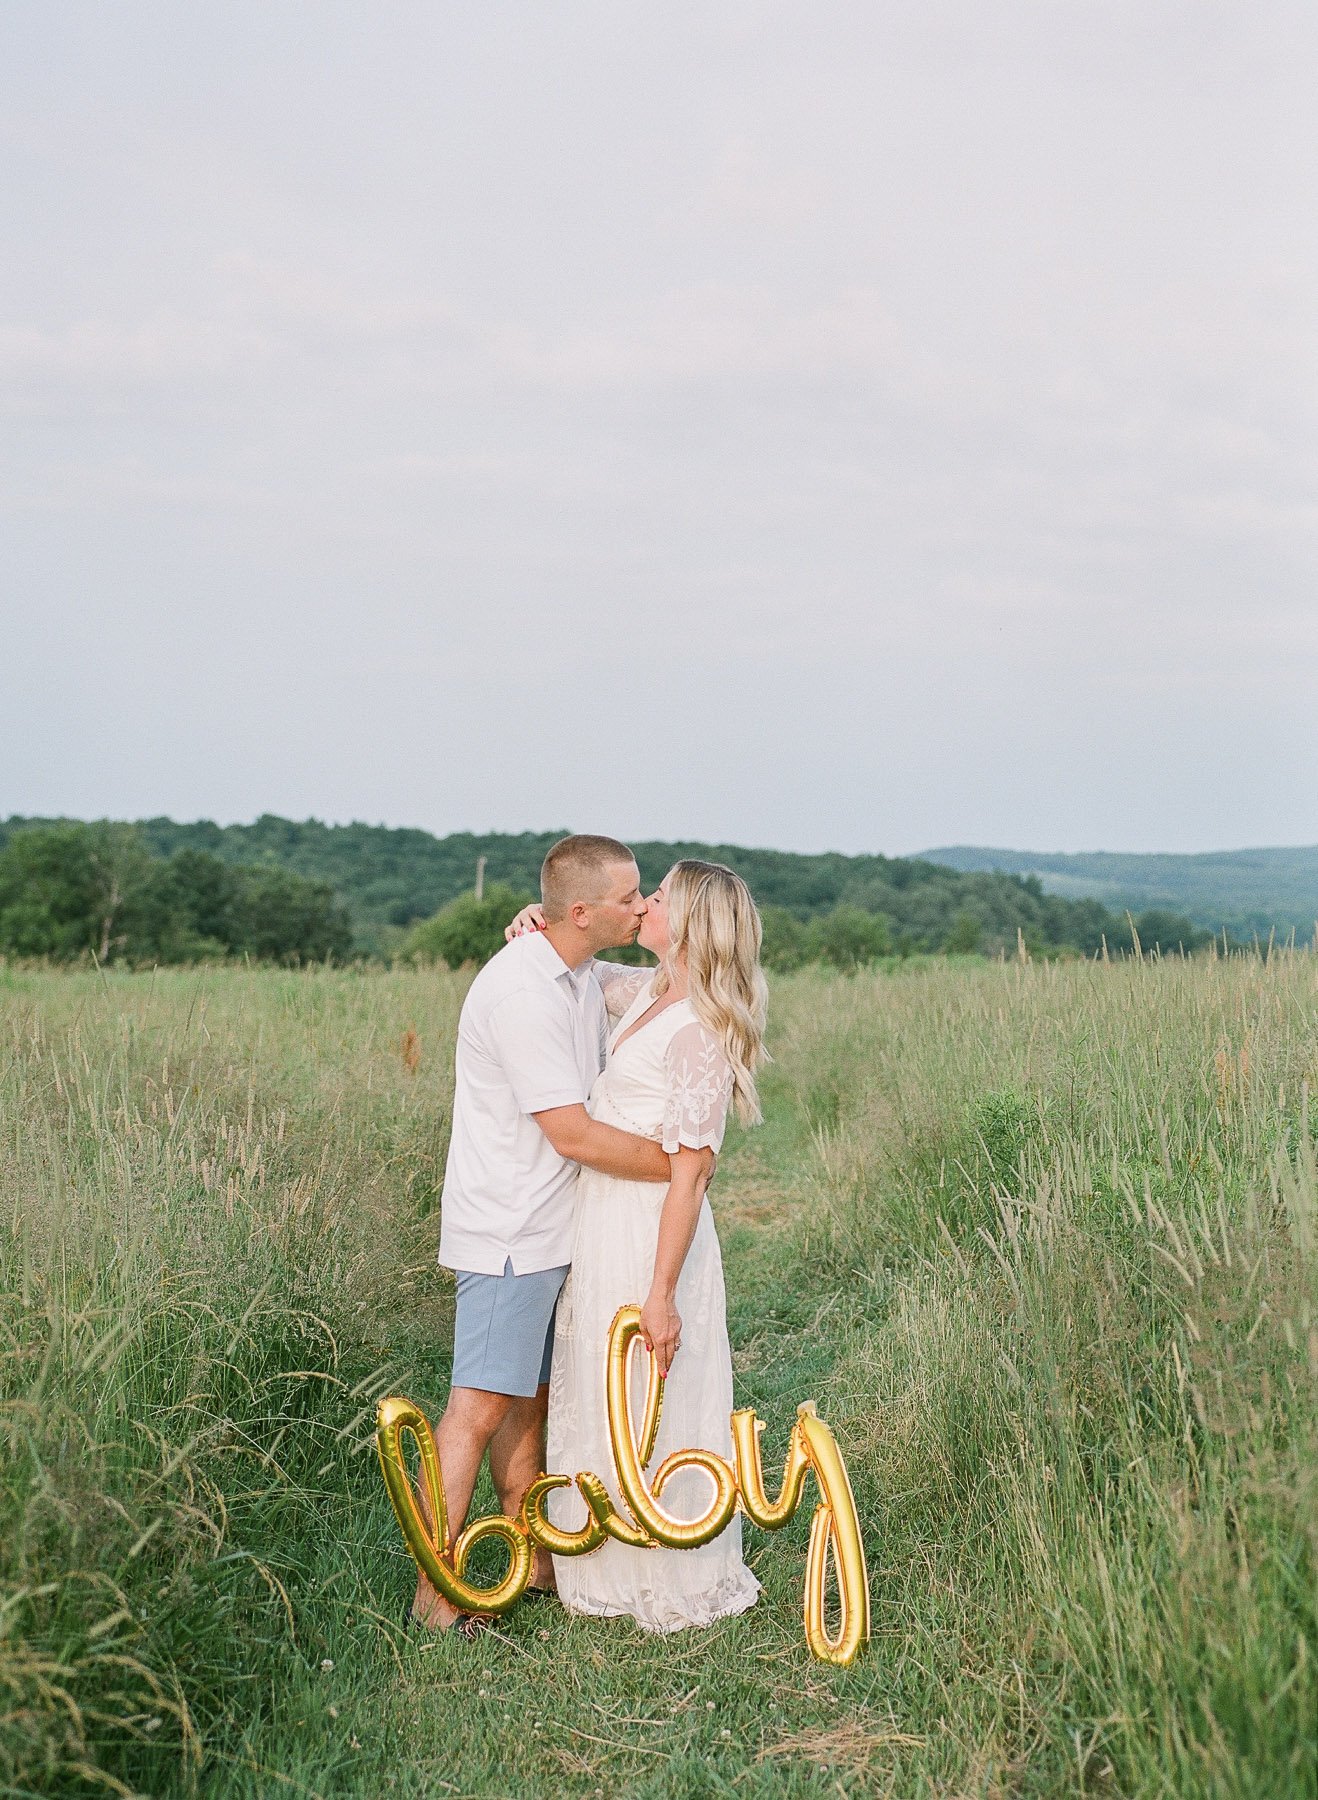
x: 670, y: 1080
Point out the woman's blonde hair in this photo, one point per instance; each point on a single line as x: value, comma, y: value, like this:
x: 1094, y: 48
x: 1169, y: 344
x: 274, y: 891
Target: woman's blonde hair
x: 712, y: 917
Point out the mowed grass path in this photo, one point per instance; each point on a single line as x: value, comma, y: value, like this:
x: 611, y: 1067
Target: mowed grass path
x: 1040, y: 1241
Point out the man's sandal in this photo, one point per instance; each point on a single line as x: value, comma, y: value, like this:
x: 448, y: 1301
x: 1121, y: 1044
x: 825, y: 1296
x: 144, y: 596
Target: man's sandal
x: 468, y: 1626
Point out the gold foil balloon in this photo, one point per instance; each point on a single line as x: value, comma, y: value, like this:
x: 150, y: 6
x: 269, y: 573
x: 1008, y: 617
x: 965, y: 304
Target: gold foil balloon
x: 441, y: 1561
x: 541, y: 1530
x: 630, y: 1458
x: 835, y: 1527
x: 769, y: 1515
x: 811, y: 1449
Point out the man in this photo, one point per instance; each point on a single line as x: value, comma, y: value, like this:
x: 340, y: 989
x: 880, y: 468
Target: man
x: 531, y: 1042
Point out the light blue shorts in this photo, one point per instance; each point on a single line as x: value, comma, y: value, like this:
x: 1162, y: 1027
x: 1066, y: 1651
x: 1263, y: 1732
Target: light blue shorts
x: 503, y: 1332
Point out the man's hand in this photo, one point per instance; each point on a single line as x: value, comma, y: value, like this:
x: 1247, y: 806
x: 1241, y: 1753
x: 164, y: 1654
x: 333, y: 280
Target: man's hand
x: 661, y: 1328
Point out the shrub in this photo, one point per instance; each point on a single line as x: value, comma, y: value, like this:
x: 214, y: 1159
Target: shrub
x: 467, y: 930
x: 964, y: 937
x: 786, y: 940
x: 849, y: 938
x: 1168, y: 932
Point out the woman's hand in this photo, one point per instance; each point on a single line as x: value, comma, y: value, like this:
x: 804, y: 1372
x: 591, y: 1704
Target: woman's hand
x: 661, y: 1328
x: 531, y: 918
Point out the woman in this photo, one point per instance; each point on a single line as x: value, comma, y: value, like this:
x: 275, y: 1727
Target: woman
x: 687, y: 1042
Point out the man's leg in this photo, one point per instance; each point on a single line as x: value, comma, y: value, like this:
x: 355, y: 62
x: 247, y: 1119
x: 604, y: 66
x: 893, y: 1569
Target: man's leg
x: 502, y: 1333
x: 472, y: 1420
x: 517, y: 1453
x: 517, y: 1456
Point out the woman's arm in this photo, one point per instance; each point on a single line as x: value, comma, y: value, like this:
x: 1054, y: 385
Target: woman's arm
x: 531, y: 918
x: 661, y: 1323
x: 621, y: 982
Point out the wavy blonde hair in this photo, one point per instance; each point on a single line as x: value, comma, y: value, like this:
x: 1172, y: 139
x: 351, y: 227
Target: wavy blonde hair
x: 712, y: 917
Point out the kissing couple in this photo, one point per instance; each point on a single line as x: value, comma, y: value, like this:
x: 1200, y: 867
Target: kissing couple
x: 589, y: 1107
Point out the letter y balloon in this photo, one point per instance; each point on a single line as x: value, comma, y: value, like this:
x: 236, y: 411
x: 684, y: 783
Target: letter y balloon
x: 811, y: 1450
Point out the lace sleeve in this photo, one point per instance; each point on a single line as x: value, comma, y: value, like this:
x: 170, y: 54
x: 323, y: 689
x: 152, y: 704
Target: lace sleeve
x: 698, y: 1090
x: 621, y: 985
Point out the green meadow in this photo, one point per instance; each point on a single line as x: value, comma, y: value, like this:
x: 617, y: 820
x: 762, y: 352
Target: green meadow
x: 1040, y: 1239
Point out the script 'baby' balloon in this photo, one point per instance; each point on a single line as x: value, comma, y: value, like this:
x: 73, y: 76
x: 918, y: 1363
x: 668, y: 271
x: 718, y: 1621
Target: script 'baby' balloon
x: 811, y: 1450
x: 434, y: 1552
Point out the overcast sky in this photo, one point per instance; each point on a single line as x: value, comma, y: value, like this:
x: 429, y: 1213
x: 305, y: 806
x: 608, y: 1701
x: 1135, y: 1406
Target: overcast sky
x: 862, y: 426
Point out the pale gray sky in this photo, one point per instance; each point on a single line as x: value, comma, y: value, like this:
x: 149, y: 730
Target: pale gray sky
x: 858, y: 426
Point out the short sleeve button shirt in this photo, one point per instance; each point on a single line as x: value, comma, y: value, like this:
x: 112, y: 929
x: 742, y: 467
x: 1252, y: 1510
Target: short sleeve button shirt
x: 532, y: 1035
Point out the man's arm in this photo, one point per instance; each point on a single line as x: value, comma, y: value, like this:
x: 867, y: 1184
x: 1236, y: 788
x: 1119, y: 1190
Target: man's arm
x: 578, y: 1137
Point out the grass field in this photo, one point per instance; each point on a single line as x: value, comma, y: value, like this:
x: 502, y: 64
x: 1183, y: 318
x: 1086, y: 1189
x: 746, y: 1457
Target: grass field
x: 1041, y: 1240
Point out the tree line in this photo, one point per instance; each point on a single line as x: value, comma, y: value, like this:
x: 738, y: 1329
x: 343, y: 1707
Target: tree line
x: 285, y: 890
x: 70, y: 890
x: 470, y: 930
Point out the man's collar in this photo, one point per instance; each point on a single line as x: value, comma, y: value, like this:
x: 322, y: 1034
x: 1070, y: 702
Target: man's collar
x: 552, y: 963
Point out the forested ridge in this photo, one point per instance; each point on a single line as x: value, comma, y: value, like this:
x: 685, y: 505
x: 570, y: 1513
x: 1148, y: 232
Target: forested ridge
x: 843, y: 909
x: 1244, y: 892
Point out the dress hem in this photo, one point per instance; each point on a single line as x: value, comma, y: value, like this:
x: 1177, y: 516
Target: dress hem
x: 661, y: 1618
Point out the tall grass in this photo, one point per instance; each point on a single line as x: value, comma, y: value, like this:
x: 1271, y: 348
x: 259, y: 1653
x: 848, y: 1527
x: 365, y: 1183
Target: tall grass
x: 1085, y: 1200
x: 198, y: 1174
x: 1040, y: 1239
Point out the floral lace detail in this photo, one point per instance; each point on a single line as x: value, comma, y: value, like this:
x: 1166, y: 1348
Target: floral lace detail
x: 655, y: 1605
x: 699, y: 1090
x: 621, y: 985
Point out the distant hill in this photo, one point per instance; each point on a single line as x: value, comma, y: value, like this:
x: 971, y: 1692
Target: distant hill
x: 1242, y: 891
x: 390, y: 877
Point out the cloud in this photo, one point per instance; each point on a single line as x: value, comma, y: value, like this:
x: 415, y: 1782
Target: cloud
x: 743, y: 188
x: 267, y: 323
x: 161, y: 347
x: 717, y: 333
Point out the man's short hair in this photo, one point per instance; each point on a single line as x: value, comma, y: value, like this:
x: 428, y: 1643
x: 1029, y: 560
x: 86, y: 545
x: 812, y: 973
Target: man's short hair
x: 577, y: 869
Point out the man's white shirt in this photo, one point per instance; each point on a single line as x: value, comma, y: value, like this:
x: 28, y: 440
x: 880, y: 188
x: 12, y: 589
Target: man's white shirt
x: 532, y: 1035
